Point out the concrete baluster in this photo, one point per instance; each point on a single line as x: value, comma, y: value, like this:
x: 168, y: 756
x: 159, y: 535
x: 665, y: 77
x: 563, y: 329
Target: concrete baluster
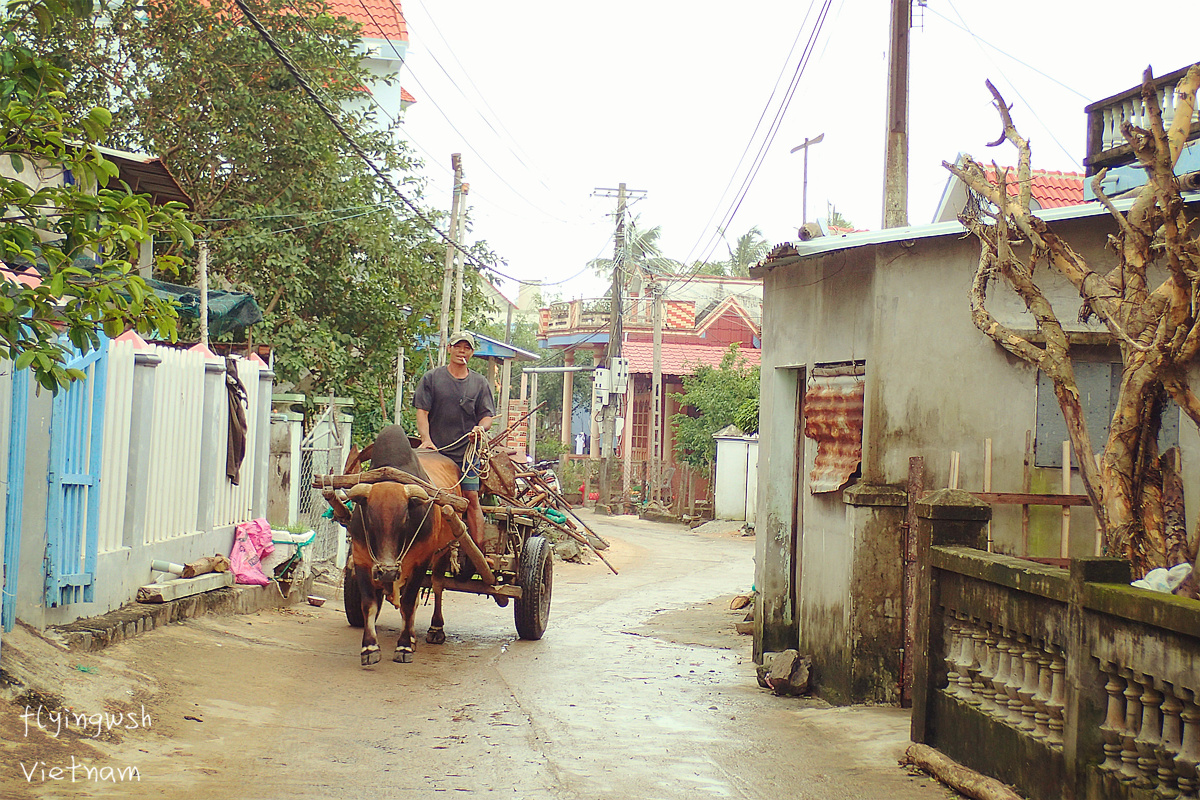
x: 1187, y: 763
x: 952, y: 652
x: 1029, y: 688
x: 1113, y: 728
x: 966, y: 657
x: 1056, y: 707
x: 987, y: 674
x: 1149, y: 736
x: 1168, y: 749
x: 1003, y: 674
x: 1133, y: 724
x: 978, y: 660
x: 1016, y: 681
x: 1041, y: 700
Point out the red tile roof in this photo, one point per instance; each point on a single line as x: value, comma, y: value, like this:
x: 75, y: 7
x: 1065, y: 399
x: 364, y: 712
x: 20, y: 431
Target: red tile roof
x: 405, y: 97
x: 380, y: 19
x: 1051, y: 188
x: 680, y: 359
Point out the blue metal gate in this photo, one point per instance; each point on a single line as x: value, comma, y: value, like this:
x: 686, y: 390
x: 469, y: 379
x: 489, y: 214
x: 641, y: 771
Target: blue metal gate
x: 19, y: 417
x: 73, y: 507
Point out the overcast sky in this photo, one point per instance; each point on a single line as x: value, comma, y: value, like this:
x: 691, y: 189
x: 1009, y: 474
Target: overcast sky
x: 548, y: 101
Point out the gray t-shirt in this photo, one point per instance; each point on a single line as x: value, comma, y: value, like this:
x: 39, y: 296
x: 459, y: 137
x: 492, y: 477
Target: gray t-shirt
x: 455, y: 407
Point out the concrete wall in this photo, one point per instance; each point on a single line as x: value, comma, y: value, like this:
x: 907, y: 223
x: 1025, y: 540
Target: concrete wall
x: 827, y: 567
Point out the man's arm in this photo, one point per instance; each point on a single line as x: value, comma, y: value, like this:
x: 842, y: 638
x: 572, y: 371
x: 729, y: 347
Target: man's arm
x: 423, y: 430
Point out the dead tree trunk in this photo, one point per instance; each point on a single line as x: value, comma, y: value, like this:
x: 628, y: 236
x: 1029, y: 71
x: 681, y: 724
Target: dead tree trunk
x: 1154, y: 325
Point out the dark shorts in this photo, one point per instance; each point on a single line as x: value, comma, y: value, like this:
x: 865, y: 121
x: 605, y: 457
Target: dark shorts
x: 470, y: 475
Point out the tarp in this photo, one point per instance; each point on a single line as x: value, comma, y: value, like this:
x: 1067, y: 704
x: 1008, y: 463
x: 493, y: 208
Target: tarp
x: 227, y: 311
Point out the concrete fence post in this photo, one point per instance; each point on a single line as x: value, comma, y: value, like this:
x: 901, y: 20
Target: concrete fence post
x: 141, y: 432
x: 1085, y: 700
x: 212, y: 443
x: 262, y: 444
x: 945, y: 517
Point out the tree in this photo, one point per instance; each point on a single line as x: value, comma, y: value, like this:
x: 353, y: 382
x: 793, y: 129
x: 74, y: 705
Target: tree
x: 714, y: 395
x: 751, y: 247
x: 1147, y: 302
x: 345, y: 271
x: 642, y: 253
x: 69, y: 246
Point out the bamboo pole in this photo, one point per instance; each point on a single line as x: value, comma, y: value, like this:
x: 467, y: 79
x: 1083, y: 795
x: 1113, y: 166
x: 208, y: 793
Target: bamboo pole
x: 1064, y: 545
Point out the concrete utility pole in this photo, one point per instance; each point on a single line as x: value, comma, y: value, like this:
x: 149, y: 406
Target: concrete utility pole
x: 895, y: 169
x: 656, y: 410
x: 459, y: 258
x: 804, y: 184
x: 448, y: 276
x: 608, y: 424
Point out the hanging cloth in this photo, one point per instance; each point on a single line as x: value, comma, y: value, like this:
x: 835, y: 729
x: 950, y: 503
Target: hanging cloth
x: 237, y: 422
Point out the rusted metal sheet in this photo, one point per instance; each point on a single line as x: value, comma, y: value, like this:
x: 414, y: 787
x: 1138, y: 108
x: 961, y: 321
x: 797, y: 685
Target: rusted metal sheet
x: 833, y: 418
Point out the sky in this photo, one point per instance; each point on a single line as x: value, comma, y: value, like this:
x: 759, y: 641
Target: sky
x: 549, y: 101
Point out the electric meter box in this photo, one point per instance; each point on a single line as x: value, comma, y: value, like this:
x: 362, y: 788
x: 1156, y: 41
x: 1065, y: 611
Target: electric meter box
x: 620, y: 375
x: 601, y: 384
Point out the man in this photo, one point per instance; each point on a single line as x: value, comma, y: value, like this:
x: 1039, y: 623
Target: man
x: 454, y: 408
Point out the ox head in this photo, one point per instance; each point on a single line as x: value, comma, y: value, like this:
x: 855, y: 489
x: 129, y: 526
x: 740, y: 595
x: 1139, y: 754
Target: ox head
x: 389, y: 519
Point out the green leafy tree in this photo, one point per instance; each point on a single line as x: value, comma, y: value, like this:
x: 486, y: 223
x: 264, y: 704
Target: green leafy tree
x: 837, y: 219
x: 345, y: 271
x: 749, y: 249
x: 72, y: 230
x: 642, y: 253
x: 711, y: 399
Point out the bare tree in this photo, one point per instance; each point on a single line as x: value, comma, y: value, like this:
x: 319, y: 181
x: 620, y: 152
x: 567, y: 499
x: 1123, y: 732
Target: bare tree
x: 1149, y: 302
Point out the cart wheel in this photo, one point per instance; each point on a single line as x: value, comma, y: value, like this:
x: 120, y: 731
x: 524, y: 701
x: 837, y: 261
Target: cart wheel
x: 535, y: 575
x: 352, y: 598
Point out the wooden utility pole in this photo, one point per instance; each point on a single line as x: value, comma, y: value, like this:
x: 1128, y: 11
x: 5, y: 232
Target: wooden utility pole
x: 895, y: 169
x: 397, y: 412
x: 204, y: 293
x: 804, y: 184
x: 448, y: 276
x: 459, y: 259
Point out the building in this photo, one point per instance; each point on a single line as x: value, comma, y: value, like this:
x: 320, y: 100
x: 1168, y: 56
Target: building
x: 870, y: 358
x: 702, y: 316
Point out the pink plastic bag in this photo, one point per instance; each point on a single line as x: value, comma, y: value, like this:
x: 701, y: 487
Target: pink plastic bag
x: 251, y: 543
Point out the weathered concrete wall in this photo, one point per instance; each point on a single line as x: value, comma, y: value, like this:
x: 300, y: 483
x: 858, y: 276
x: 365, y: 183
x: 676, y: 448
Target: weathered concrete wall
x: 935, y: 385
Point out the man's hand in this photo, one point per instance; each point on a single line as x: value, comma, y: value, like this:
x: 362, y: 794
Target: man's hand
x: 478, y: 434
x: 427, y: 444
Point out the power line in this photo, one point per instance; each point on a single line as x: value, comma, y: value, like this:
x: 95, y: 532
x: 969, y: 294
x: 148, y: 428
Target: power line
x: 295, y: 72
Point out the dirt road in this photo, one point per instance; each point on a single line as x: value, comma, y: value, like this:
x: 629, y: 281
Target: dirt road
x: 639, y: 689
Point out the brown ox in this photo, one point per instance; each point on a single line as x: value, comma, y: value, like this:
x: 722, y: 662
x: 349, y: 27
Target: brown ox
x: 397, y: 533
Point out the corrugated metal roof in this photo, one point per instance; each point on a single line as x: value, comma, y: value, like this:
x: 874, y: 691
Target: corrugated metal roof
x: 833, y: 418
x: 680, y: 359
x: 792, y: 252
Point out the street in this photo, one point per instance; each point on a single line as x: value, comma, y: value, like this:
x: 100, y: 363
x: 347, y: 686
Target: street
x: 639, y: 689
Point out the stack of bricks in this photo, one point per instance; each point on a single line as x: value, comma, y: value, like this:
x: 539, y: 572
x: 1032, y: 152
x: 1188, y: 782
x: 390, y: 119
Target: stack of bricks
x: 518, y: 437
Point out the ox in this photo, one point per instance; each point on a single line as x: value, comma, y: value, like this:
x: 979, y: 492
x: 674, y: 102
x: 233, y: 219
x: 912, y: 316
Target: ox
x: 397, y: 532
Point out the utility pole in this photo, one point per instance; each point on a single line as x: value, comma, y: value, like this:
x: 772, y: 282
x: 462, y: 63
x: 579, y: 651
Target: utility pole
x: 656, y: 415
x: 459, y: 259
x: 895, y: 169
x: 804, y: 185
x: 613, y: 352
x: 443, y: 328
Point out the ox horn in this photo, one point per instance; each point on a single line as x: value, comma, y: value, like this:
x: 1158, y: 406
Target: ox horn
x: 417, y: 493
x: 359, y: 491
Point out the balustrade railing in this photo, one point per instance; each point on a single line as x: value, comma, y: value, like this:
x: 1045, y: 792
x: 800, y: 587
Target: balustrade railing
x: 1066, y: 683
x: 1106, y: 145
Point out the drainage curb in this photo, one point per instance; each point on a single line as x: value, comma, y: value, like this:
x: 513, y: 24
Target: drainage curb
x: 96, y: 633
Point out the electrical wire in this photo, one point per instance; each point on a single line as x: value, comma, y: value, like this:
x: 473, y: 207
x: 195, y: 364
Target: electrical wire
x: 383, y: 177
x: 760, y: 157
x: 1049, y: 130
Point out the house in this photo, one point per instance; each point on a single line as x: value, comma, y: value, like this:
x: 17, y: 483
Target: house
x: 702, y: 316
x: 870, y: 358
x: 384, y: 44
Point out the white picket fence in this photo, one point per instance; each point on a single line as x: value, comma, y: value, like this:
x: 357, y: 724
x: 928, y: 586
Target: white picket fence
x: 177, y: 429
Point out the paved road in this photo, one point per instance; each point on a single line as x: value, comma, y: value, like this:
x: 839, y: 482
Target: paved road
x: 639, y: 689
